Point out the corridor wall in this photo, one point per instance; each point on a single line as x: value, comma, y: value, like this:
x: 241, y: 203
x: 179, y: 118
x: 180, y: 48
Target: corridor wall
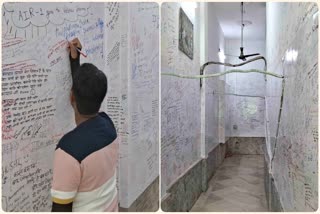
x: 292, y: 50
x: 132, y: 65
x: 246, y: 115
x: 214, y: 87
x: 180, y: 100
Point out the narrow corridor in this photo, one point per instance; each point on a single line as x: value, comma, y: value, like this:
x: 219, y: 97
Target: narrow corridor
x: 236, y: 186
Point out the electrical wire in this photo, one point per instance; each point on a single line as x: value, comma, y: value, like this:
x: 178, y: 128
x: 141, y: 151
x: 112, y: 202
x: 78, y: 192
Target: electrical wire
x: 222, y: 73
x: 242, y: 25
x: 278, y: 126
x: 239, y: 95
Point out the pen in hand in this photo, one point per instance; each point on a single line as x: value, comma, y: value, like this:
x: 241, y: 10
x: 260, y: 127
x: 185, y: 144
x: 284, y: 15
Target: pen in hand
x: 77, y: 49
x: 80, y: 51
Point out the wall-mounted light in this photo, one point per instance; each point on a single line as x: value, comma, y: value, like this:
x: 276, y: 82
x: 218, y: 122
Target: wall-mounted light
x: 221, y: 55
x: 291, y: 55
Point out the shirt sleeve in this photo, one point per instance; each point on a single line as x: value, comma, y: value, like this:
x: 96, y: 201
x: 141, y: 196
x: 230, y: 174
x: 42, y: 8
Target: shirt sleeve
x: 66, y: 177
x: 74, y: 64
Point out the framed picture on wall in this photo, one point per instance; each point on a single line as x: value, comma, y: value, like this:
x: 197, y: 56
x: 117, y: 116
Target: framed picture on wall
x: 185, y: 34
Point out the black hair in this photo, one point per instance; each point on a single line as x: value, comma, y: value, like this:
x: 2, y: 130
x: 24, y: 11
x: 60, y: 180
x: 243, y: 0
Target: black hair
x: 89, y: 88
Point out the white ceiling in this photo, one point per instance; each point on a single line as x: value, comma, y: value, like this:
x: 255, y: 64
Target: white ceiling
x: 229, y: 16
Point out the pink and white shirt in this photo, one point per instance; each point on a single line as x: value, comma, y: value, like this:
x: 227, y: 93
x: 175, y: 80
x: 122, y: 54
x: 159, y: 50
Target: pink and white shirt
x: 85, y: 165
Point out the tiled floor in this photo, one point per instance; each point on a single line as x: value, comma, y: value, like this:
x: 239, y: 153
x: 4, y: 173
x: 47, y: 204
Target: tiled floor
x: 237, y: 186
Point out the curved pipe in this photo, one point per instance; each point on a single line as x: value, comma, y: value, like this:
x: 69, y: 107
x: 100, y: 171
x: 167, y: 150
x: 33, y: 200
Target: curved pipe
x: 231, y: 65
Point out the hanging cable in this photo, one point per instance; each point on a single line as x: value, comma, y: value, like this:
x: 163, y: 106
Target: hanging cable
x: 222, y: 73
x: 278, y: 126
x: 239, y: 95
x: 242, y: 25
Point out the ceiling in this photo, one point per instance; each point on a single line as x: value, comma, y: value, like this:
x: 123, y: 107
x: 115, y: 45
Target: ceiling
x: 229, y: 16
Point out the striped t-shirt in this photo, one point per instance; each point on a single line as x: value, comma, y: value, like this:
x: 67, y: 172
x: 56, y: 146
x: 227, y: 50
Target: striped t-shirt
x: 85, y: 163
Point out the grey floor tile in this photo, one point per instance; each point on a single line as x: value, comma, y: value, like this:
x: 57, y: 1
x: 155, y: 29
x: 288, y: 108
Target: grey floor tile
x: 237, y: 186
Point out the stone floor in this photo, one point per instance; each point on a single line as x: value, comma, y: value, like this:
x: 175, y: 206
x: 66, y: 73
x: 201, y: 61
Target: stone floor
x: 237, y: 186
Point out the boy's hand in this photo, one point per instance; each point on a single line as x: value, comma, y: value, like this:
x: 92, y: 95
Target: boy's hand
x: 72, y: 47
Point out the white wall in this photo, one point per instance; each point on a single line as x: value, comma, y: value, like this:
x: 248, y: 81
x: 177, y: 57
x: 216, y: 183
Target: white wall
x: 132, y: 67
x: 247, y: 113
x: 291, y: 26
x: 180, y: 100
x: 214, y: 103
x: 121, y: 39
x: 36, y: 83
x: 181, y: 143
